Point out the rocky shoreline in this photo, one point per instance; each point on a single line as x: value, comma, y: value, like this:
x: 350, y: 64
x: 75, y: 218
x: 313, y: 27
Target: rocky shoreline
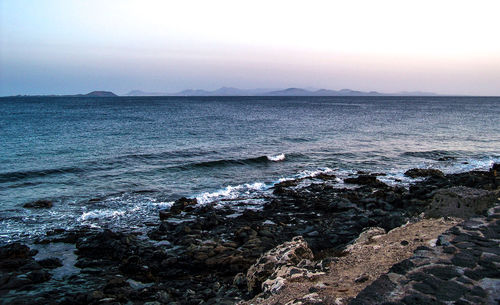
x: 206, y: 260
x: 462, y: 267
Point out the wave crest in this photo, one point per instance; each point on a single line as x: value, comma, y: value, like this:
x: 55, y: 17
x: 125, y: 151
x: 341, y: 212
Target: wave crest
x: 20, y: 175
x: 438, y: 155
x: 236, y: 162
x: 276, y: 158
x: 231, y: 192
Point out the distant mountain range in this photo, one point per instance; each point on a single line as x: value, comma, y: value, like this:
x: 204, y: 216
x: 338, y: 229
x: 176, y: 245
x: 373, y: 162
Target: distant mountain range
x: 223, y: 91
x: 230, y: 91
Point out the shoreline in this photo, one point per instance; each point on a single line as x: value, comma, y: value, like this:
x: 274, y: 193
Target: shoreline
x: 204, y: 261
x: 135, y: 211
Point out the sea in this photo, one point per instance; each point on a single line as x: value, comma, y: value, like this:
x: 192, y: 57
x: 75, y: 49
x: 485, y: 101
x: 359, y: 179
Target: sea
x: 114, y: 162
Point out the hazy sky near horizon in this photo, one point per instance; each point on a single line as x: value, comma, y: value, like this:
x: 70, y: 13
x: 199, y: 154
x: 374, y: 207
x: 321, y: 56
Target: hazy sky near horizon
x: 66, y: 47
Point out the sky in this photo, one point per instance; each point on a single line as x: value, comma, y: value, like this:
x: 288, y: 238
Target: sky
x: 77, y: 46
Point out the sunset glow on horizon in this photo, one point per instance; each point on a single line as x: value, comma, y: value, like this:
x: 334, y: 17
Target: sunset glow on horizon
x: 66, y: 47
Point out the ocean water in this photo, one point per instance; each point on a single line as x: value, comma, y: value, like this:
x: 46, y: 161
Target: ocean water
x: 113, y: 162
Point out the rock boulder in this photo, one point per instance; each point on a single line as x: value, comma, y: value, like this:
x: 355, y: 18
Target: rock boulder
x: 460, y: 201
x: 423, y: 172
x: 287, y: 254
x: 39, y: 204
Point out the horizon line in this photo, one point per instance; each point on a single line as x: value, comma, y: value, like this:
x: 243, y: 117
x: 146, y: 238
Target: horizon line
x: 270, y: 92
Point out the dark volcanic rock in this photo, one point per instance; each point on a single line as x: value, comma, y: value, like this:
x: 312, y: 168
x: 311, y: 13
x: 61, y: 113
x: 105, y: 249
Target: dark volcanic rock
x: 15, y: 251
x: 16, y: 256
x: 283, y: 187
x: 368, y: 180
x: 106, y: 244
x: 375, y: 293
x: 402, y: 267
x: 324, y: 176
x: 50, y: 263
x: 182, y: 204
x: 461, y: 202
x: 134, y: 266
x: 39, y: 204
x: 18, y: 269
x: 466, y: 275
x: 444, y: 272
x: 423, y: 172
x: 39, y: 276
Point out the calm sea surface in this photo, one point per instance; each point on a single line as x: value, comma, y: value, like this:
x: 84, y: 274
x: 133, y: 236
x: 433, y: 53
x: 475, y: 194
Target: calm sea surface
x: 113, y: 162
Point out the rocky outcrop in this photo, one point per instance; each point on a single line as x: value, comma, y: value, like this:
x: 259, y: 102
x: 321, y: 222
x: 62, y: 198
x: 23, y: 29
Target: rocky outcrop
x: 423, y: 172
x: 107, y: 245
x: 180, y: 205
x: 18, y: 269
x: 39, y: 204
x: 463, y: 268
x: 305, y: 270
x: 366, y: 237
x: 369, y: 180
x: 183, y: 204
x: 276, y: 262
x: 460, y: 201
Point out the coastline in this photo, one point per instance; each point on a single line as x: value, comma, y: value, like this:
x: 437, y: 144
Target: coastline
x: 205, y: 260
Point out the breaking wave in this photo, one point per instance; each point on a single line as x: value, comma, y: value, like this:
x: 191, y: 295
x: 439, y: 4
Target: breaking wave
x: 241, y: 191
x: 253, y: 190
x: 276, y: 158
x: 234, y: 162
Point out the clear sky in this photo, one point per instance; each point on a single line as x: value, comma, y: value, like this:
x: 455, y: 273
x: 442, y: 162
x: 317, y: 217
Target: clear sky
x: 76, y: 46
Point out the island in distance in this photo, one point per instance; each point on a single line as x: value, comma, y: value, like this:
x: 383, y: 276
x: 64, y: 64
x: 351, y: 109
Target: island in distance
x: 230, y: 91
x: 90, y: 94
x: 99, y: 94
x: 95, y: 94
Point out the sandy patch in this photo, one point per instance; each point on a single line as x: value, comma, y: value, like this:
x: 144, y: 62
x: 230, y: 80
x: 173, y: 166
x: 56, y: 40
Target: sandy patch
x: 365, y: 261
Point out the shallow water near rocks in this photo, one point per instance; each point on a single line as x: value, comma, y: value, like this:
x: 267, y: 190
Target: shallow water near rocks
x: 63, y: 251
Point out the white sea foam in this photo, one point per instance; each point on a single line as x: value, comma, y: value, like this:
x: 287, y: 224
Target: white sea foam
x: 314, y: 173
x: 111, y: 213
x: 310, y: 174
x: 472, y: 164
x: 397, y: 177
x: 231, y: 192
x: 162, y: 204
x: 86, y: 216
x: 276, y: 158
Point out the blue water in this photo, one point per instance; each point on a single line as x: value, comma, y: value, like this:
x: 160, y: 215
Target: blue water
x: 109, y: 162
